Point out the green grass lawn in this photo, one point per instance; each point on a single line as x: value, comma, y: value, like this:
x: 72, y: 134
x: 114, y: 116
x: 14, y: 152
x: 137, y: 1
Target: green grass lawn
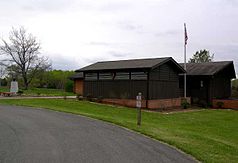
x: 234, y: 91
x: 208, y: 135
x: 234, y: 83
x: 41, y: 92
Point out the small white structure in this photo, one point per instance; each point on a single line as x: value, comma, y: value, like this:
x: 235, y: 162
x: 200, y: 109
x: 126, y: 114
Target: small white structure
x: 14, y: 87
x: 138, y: 100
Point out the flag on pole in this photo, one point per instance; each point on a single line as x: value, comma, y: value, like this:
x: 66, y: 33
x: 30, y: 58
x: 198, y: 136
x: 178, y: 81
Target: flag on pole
x: 185, y: 34
x: 185, y: 67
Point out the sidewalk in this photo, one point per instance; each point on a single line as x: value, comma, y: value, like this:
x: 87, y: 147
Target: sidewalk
x: 38, y: 97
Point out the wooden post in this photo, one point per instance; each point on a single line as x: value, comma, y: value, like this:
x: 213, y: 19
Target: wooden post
x: 138, y: 105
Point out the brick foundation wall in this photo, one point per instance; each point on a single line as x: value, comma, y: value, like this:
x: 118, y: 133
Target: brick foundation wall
x: 228, y: 104
x: 124, y: 102
x: 152, y: 104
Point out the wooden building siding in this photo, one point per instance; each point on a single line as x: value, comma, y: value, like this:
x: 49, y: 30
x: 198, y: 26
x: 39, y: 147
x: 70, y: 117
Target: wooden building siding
x: 211, y: 87
x: 164, y: 72
x: 221, y: 87
x: 215, y: 77
x: 122, y: 89
x: 163, y: 83
x: 198, y: 88
x: 163, y: 90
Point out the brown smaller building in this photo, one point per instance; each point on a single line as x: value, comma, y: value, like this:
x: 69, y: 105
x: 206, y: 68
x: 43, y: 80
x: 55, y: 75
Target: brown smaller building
x: 78, y: 82
x: 208, y: 81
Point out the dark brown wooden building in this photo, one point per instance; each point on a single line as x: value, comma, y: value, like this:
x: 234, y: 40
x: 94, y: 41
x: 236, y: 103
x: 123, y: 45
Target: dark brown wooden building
x: 160, y: 80
x: 155, y: 78
x: 207, y: 81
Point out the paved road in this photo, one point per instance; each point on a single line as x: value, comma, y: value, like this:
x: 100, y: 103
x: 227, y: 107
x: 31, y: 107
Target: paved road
x: 40, y: 135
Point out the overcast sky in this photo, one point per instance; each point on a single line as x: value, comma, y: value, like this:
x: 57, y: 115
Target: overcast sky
x: 75, y: 33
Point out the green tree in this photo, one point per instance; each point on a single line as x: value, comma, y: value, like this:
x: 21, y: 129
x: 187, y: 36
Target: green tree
x: 58, y: 78
x: 201, y: 56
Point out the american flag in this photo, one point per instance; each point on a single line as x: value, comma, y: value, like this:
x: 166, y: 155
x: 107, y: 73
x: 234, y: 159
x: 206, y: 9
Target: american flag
x: 185, y: 34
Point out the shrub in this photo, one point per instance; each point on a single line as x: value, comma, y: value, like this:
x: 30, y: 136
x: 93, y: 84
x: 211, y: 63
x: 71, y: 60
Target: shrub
x: 89, y: 97
x: 99, y: 99
x: 195, y: 100
x: 79, y: 96
x: 69, y: 85
x: 184, y: 103
x: 210, y: 104
x: 220, y: 104
x: 93, y: 100
x: 203, y: 103
x: 20, y: 92
x: 3, y: 82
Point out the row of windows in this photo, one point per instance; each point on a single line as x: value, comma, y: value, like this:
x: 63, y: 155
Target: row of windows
x: 116, y: 76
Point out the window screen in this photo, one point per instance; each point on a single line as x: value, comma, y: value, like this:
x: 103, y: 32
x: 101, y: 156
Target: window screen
x: 106, y: 76
x: 138, y: 76
x: 122, y: 76
x: 91, y: 76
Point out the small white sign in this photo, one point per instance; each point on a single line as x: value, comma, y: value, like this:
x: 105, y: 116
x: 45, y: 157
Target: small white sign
x: 138, y: 101
x: 14, y: 87
x: 138, y: 104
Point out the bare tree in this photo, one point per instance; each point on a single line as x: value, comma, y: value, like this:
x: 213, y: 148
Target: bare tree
x: 22, y: 53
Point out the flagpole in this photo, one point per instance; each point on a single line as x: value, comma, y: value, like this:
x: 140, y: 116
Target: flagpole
x: 185, y: 67
x: 185, y: 74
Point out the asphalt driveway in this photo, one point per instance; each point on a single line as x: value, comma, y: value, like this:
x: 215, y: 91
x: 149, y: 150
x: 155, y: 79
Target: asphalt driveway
x: 40, y: 135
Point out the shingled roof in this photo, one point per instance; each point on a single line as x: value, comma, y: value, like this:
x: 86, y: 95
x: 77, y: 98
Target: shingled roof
x: 148, y: 63
x: 78, y: 75
x: 209, y: 68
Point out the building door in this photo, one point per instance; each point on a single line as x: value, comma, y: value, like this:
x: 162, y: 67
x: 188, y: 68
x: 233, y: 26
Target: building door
x: 199, y: 91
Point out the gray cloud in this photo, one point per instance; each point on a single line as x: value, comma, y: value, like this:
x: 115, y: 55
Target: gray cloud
x: 45, y: 5
x: 226, y: 52
x: 230, y: 2
x: 94, y: 60
x: 130, y: 26
x: 92, y: 31
x: 167, y: 33
x: 108, y: 56
x: 116, y: 6
x: 98, y: 43
x: 61, y: 62
x: 118, y: 54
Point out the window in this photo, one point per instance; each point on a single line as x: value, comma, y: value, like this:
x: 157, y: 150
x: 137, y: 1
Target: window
x: 138, y: 76
x: 122, y: 76
x: 91, y: 76
x: 106, y: 76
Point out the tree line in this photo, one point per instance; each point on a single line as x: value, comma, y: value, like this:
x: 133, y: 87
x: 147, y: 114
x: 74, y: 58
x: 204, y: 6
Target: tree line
x: 55, y: 79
